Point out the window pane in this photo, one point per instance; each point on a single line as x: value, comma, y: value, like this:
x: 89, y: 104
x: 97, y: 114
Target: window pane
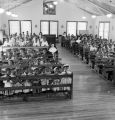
x: 26, y: 26
x: 106, y: 35
x: 71, y: 28
x: 45, y: 27
x: 101, y: 30
x: 101, y: 26
x: 53, y: 28
x: 106, y: 27
x: 14, y: 27
x: 104, y: 30
x: 82, y: 26
x: 101, y: 34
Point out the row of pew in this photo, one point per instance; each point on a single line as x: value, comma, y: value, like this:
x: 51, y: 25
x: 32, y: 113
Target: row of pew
x: 105, y: 67
x: 30, y: 79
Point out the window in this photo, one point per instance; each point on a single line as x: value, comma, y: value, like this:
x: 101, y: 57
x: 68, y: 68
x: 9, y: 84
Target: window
x: 14, y: 27
x: 45, y: 27
x: 71, y: 28
x: 74, y: 27
x: 49, y: 27
x: 82, y: 26
x: 26, y: 25
x: 104, y: 30
x: 54, y: 28
x: 18, y: 26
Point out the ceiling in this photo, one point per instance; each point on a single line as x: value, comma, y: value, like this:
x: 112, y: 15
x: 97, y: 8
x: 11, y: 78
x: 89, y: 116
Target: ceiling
x: 96, y: 7
x: 10, y: 4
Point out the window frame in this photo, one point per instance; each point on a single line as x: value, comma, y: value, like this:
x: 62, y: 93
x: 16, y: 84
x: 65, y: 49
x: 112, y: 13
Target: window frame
x: 28, y: 21
x: 19, y: 24
x: 9, y: 25
x: 67, y: 25
x: 77, y: 25
x: 82, y: 21
x: 103, y: 29
x: 49, y: 25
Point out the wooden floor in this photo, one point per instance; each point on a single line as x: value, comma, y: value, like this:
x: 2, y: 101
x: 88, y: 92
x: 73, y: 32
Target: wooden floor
x: 93, y: 99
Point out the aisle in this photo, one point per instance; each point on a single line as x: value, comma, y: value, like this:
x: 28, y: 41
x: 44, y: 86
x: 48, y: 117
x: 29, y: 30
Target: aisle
x: 93, y: 98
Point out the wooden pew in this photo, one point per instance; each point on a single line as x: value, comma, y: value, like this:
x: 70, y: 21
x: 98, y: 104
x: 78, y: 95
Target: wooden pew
x: 53, y: 88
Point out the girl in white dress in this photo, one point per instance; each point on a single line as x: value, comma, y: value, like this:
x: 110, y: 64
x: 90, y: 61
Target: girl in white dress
x: 44, y: 42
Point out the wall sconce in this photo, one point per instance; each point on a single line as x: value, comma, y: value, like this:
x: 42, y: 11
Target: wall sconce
x: 62, y: 26
x: 36, y: 26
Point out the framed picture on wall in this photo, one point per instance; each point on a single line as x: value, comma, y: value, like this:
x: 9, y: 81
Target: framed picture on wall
x: 49, y: 8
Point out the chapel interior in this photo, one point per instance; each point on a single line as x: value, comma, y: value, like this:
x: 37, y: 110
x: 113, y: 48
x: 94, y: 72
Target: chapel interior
x: 57, y: 59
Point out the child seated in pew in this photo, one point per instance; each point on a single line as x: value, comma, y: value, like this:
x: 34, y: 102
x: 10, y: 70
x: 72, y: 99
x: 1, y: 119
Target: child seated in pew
x: 78, y: 40
x: 36, y: 41
x: 44, y: 42
x: 66, y: 80
x: 93, y: 48
x: 53, y: 50
x: 27, y: 83
x: 55, y: 81
x: 8, y: 82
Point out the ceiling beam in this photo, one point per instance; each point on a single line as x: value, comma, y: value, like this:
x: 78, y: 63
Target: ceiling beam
x: 19, y: 4
x: 83, y: 9
x: 100, y: 6
x: 92, y: 13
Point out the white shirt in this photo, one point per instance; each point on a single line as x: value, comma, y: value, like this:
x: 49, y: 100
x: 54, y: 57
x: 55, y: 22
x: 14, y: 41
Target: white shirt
x: 6, y: 43
x: 44, y: 43
x: 93, y: 48
x: 22, y: 43
x: 36, y: 43
x: 12, y: 41
x: 52, y: 50
x: 78, y: 41
x: 8, y: 84
x: 41, y: 40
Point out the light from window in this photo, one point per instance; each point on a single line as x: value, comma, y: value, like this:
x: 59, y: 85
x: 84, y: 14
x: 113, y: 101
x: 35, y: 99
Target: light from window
x: 45, y: 27
x: 26, y: 26
x: 104, y: 30
x: 101, y: 27
x: 81, y: 26
x: 14, y: 27
x: 71, y: 28
x: 53, y: 28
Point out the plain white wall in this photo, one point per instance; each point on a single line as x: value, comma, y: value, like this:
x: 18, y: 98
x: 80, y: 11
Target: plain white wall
x: 112, y: 25
x: 64, y: 12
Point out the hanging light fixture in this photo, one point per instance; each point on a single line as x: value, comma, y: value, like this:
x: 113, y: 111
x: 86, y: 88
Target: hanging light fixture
x: 109, y: 15
x: 8, y: 12
x: 14, y: 15
x: 83, y: 17
x: 93, y: 16
x: 2, y: 10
